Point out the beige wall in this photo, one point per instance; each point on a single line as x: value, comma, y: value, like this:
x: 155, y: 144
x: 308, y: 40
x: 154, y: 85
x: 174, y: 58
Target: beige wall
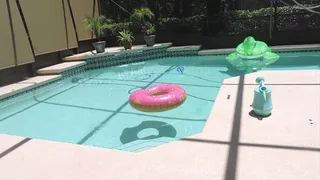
x: 23, y: 48
x: 50, y: 25
x: 72, y: 39
x: 45, y: 20
x: 6, y: 45
x: 80, y: 9
x: 14, y: 37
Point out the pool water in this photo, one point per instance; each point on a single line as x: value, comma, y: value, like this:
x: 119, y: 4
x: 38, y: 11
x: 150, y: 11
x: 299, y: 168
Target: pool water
x: 92, y: 108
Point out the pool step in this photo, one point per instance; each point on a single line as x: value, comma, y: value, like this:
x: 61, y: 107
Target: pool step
x: 60, y: 68
x: 23, y: 86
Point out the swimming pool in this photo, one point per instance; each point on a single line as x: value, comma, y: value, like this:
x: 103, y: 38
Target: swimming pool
x: 92, y: 108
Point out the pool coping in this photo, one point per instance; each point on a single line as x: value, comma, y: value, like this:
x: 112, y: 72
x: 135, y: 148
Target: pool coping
x: 19, y: 88
x: 185, y: 48
x: 277, y: 49
x: 59, y: 68
x: 271, y: 148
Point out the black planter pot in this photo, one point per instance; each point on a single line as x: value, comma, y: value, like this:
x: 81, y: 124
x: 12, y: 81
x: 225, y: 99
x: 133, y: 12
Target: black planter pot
x: 127, y: 45
x: 99, y: 46
x: 150, y: 40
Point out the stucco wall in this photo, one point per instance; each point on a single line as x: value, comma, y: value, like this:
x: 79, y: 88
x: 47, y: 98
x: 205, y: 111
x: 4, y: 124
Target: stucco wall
x: 38, y: 27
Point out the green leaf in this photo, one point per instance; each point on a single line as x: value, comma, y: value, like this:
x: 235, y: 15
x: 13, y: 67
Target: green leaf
x: 97, y: 24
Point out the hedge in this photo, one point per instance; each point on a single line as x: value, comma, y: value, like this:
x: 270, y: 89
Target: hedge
x: 244, y: 21
x: 234, y: 22
x: 114, y: 29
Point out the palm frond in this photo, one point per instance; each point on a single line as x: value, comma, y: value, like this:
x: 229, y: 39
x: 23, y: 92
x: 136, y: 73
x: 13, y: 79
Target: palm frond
x: 125, y: 36
x: 97, y: 25
x: 141, y: 15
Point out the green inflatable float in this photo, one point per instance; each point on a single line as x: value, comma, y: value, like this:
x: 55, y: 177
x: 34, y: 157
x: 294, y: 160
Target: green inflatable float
x: 252, y: 55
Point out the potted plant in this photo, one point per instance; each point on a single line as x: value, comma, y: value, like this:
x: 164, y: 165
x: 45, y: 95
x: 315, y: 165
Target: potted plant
x: 98, y: 25
x: 149, y: 35
x: 144, y: 16
x: 125, y: 38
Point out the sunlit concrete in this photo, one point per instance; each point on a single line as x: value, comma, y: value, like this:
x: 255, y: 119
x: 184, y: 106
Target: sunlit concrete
x: 59, y: 68
x: 287, y: 77
x: 185, y: 48
x: 282, y: 48
x: 25, y: 85
x: 233, y: 145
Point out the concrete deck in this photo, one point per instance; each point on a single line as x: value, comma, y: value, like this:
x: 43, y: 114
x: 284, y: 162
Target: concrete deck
x: 233, y: 145
x: 184, y: 48
x: 283, y: 48
x: 216, y: 51
x: 288, y: 77
x: 25, y: 85
x: 112, y: 51
x: 58, y: 68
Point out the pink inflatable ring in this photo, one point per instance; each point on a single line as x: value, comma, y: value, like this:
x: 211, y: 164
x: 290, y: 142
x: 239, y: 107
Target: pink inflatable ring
x: 157, y: 98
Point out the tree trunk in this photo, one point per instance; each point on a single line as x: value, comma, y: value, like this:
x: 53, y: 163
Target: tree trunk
x: 215, y: 24
x: 176, y: 8
x: 152, y: 4
x: 230, y: 4
x: 237, y: 4
x: 187, y: 8
x: 213, y: 7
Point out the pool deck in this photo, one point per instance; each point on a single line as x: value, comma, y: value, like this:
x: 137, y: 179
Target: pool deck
x: 278, y: 49
x: 233, y: 145
x: 59, y: 68
x: 26, y: 85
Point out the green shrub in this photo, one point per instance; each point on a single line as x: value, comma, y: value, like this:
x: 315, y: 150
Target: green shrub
x: 190, y: 24
x: 288, y: 18
x: 246, y: 21
x: 115, y: 28
x: 97, y: 25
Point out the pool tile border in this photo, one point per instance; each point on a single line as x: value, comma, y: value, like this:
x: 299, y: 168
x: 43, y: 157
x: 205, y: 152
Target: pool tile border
x: 135, y: 56
x: 114, y: 51
x: 30, y: 89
